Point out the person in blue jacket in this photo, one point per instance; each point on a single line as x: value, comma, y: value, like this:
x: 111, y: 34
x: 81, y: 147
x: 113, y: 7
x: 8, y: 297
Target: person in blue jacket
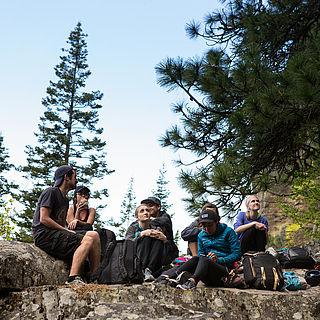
x: 252, y: 227
x: 218, y: 250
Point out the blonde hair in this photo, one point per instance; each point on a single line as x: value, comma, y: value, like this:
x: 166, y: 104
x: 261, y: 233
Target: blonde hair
x: 247, y: 202
x: 138, y: 207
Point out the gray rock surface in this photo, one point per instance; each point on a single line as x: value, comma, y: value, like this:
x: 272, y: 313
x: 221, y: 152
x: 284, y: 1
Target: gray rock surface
x: 36, y: 279
x: 157, y: 302
x: 23, y: 265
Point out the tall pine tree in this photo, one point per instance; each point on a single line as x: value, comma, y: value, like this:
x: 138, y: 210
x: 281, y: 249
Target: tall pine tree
x: 127, y: 211
x: 162, y: 192
x: 161, y: 189
x: 251, y: 114
x: 68, y: 132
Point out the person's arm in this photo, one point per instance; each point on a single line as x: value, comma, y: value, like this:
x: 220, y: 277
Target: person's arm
x: 131, y: 233
x: 154, y: 234
x: 92, y: 215
x: 70, y: 215
x: 235, y: 251
x: 200, y: 246
x: 46, y: 220
x: 190, y: 233
x: 245, y: 227
x: 164, y: 222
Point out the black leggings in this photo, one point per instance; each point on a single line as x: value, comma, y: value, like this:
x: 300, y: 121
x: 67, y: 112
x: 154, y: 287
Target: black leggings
x: 253, y: 240
x: 150, y: 251
x: 202, y: 268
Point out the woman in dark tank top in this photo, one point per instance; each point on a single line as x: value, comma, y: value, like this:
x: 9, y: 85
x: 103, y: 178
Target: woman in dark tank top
x: 80, y: 217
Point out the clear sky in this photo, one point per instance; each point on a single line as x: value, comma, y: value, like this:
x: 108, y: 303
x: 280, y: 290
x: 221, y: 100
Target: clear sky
x: 126, y: 40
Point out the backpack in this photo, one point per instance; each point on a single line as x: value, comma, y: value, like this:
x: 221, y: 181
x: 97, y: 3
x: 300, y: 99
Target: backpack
x: 262, y: 271
x: 293, y: 282
x: 121, y: 263
x: 296, y: 257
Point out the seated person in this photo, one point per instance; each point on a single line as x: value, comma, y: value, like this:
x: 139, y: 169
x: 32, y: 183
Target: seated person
x: 191, y: 232
x: 251, y: 227
x: 150, y: 242
x: 162, y: 220
x: 80, y: 217
x: 218, y: 250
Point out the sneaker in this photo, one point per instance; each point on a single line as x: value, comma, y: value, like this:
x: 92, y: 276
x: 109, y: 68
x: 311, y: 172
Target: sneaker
x: 148, y: 277
x: 189, y: 285
x: 76, y: 280
x: 181, y: 279
x: 163, y: 280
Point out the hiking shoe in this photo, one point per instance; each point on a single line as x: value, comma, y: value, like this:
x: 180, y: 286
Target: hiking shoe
x: 189, y: 285
x: 76, y: 280
x: 148, y: 277
x: 163, y: 280
x: 181, y: 279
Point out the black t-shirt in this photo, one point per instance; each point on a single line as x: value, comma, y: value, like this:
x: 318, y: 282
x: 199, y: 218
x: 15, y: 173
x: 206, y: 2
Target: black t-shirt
x: 54, y: 199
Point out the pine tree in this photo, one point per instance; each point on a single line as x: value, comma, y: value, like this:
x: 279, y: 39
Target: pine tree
x: 7, y: 193
x: 161, y: 190
x: 6, y: 187
x: 251, y: 117
x: 127, y: 211
x: 68, y: 132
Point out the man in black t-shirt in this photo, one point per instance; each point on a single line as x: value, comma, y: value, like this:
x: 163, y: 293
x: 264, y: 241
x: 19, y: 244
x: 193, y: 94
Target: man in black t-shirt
x: 51, y: 234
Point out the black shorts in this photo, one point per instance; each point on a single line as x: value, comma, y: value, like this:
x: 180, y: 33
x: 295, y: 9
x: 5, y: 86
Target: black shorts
x: 60, y: 244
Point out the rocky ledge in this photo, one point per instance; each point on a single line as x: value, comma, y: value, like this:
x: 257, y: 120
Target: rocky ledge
x: 30, y: 288
x: 157, y: 302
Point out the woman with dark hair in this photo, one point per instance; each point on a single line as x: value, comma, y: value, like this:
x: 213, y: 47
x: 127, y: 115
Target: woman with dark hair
x: 218, y: 250
x: 190, y: 233
x: 80, y: 217
x: 252, y: 227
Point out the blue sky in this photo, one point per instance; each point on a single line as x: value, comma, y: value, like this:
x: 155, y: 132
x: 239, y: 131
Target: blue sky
x: 126, y: 40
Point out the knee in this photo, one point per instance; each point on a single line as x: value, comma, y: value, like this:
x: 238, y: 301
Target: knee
x: 94, y: 236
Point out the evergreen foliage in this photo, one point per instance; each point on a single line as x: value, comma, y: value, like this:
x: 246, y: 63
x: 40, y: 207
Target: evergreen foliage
x: 127, y: 211
x: 6, y: 187
x: 68, y: 132
x: 161, y: 190
x: 6, y: 221
x: 252, y: 115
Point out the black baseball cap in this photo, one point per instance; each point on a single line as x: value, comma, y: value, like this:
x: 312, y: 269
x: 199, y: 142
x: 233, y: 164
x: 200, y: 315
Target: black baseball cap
x: 82, y: 189
x: 152, y: 200
x: 59, y: 174
x: 209, y: 216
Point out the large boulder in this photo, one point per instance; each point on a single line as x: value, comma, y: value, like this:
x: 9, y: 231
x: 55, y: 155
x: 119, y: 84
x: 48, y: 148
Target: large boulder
x: 23, y: 265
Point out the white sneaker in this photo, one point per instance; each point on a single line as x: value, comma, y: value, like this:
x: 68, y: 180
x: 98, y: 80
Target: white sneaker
x: 77, y: 280
x: 148, y: 277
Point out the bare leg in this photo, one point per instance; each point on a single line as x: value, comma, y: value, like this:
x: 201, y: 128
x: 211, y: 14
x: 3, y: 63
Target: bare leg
x: 94, y: 253
x: 80, y: 255
x: 193, y: 246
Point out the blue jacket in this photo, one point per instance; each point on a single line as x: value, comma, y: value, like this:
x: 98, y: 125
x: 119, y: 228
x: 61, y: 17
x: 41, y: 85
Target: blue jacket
x: 223, y: 243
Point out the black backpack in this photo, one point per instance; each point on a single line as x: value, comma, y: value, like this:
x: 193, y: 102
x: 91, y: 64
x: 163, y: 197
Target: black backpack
x: 296, y: 257
x: 121, y: 264
x: 262, y: 271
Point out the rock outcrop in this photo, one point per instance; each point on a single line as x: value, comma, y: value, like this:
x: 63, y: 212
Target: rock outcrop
x: 157, y: 302
x: 23, y: 265
x: 32, y: 287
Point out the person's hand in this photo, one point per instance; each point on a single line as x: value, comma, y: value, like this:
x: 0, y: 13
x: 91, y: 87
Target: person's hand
x: 73, y: 224
x: 259, y: 226
x: 159, y: 235
x: 145, y: 233
x: 212, y: 256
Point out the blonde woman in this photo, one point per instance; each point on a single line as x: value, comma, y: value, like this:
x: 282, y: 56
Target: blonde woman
x: 252, y: 227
